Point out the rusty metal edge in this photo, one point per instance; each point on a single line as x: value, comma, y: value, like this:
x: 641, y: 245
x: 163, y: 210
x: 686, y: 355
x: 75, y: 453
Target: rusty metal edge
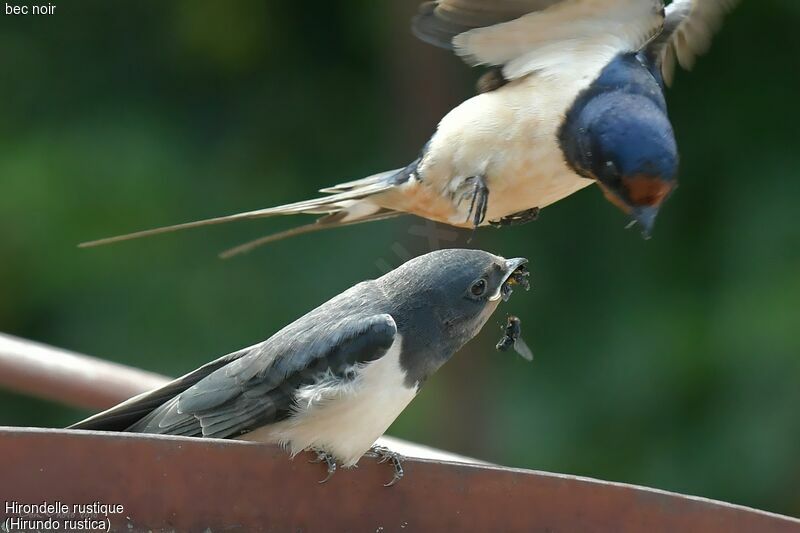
x: 172, y: 483
x: 68, y: 377
x: 81, y: 380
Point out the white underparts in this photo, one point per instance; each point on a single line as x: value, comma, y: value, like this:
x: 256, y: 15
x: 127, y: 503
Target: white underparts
x: 344, y: 417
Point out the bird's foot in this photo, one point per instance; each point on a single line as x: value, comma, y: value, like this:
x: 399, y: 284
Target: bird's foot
x: 329, y: 460
x: 479, y: 202
x: 516, y: 219
x: 384, y: 455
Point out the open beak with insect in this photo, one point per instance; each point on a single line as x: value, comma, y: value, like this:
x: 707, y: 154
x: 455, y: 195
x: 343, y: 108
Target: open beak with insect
x: 516, y: 275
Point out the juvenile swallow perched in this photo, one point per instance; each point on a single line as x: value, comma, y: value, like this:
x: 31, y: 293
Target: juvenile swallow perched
x: 575, y: 96
x: 335, y: 379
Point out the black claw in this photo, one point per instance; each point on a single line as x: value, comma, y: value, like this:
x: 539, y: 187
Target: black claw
x: 385, y: 455
x: 479, y: 204
x: 472, y: 204
x: 523, y: 217
x: 484, y: 207
x: 398, y: 470
x: 328, y: 460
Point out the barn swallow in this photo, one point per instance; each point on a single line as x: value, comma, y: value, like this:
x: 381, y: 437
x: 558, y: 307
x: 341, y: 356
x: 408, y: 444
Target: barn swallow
x: 335, y: 379
x: 574, y: 96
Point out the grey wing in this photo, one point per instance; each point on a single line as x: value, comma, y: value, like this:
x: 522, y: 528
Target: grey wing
x: 438, y: 22
x: 122, y: 416
x: 258, y: 387
x: 688, y: 28
x: 549, y: 37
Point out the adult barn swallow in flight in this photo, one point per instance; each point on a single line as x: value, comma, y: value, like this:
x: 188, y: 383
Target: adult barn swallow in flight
x: 575, y: 95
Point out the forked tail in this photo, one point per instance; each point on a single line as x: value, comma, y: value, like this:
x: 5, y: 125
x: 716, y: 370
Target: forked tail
x: 346, y: 204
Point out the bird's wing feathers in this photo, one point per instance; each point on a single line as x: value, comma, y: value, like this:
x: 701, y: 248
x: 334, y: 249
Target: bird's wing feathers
x: 121, y: 416
x: 550, y: 35
x: 255, y: 386
x: 438, y: 22
x: 687, y: 33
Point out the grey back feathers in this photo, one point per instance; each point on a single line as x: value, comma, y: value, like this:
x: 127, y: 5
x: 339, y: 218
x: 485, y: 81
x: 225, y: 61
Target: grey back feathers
x: 259, y: 389
x: 425, y: 300
x: 255, y: 386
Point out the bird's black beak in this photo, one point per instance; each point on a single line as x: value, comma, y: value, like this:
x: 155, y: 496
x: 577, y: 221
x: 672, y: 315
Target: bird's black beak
x: 512, y: 265
x: 515, y: 273
x: 645, y: 217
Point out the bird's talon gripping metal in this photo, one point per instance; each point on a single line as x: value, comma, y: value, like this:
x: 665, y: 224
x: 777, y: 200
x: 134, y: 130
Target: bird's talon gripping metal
x: 398, y: 471
x: 385, y: 455
x: 329, y: 461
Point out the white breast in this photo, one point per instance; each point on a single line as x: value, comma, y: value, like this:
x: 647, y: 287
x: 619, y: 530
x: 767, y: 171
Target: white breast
x: 344, y: 420
x: 509, y: 136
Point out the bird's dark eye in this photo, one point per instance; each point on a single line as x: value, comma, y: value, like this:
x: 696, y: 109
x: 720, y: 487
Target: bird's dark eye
x: 478, y: 287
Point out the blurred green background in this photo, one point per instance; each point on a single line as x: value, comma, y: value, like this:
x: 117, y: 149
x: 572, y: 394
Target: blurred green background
x: 673, y: 363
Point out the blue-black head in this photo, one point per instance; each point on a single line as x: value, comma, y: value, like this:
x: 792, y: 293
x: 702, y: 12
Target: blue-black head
x: 618, y: 133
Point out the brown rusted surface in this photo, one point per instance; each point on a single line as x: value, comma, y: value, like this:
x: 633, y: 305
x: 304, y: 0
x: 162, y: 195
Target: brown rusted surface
x: 67, y: 377
x: 180, y: 484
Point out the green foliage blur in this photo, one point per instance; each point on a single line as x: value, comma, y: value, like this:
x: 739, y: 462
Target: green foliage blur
x: 673, y: 362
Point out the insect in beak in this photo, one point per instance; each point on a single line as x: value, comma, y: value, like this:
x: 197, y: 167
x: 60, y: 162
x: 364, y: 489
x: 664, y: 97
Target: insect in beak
x: 516, y: 274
